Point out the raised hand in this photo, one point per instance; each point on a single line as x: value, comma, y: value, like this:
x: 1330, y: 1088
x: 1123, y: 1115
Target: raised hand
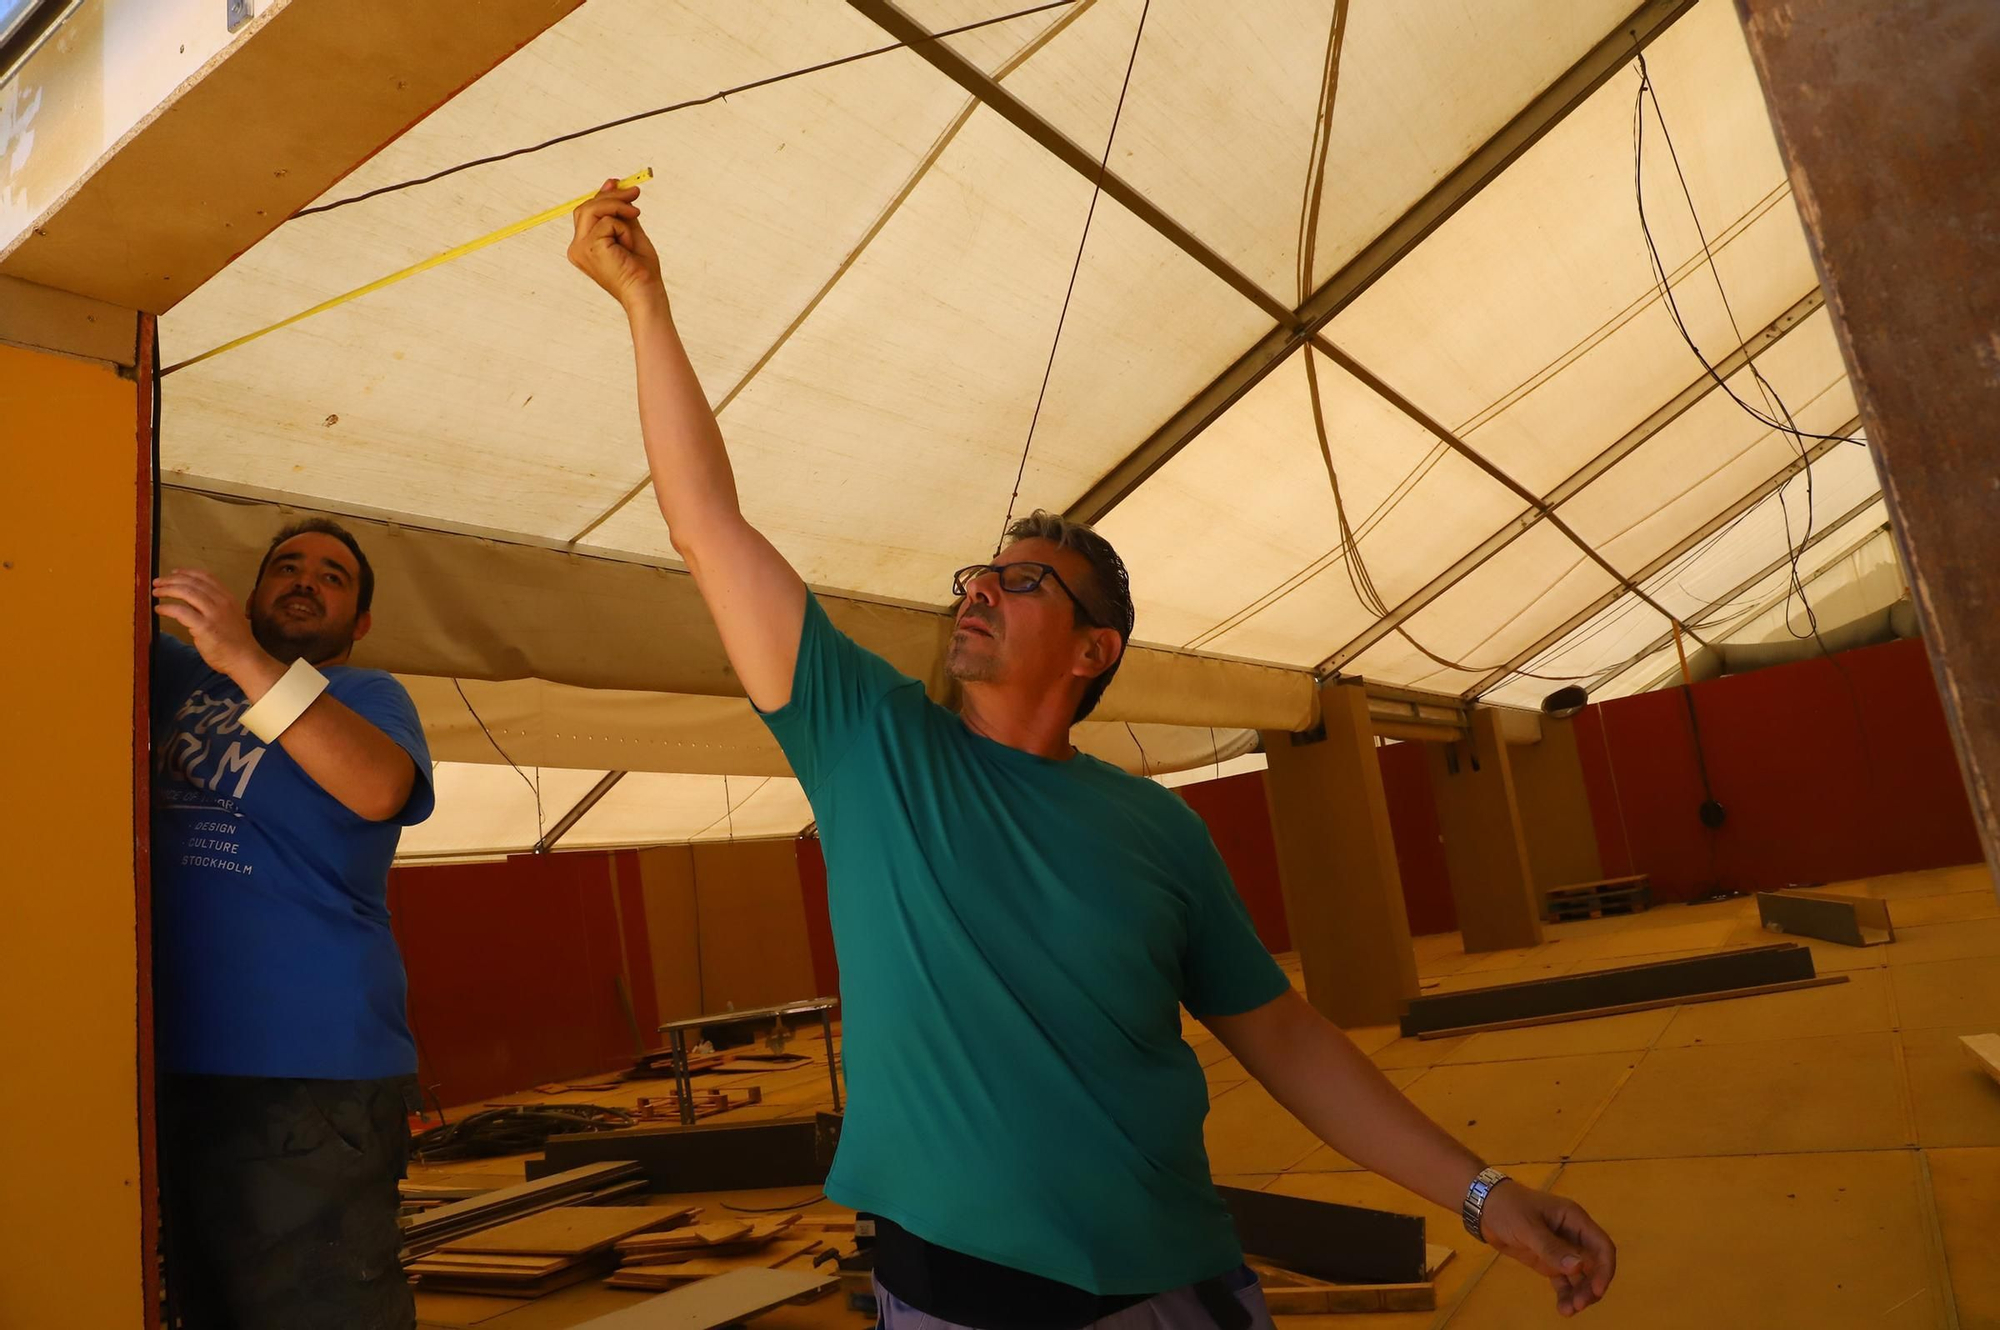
x: 1552, y: 1236
x: 215, y: 620
x: 613, y: 250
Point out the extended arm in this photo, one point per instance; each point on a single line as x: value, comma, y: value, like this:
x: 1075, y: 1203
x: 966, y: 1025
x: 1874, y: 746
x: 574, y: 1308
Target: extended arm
x: 1316, y: 1072
x: 756, y: 598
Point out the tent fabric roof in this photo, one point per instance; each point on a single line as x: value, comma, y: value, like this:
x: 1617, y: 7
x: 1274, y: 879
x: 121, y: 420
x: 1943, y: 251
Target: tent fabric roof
x: 868, y: 265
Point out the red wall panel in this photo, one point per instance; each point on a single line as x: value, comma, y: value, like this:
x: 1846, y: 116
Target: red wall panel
x: 1829, y: 769
x: 1413, y: 824
x: 512, y: 970
x: 819, y: 926
x: 1239, y: 820
x: 513, y: 965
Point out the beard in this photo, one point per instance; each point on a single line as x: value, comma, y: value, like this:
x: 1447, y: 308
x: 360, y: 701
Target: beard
x: 968, y: 664
x: 312, y: 640
x: 966, y: 659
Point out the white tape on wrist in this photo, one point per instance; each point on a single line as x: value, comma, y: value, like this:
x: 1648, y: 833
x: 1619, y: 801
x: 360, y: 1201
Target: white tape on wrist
x: 273, y: 713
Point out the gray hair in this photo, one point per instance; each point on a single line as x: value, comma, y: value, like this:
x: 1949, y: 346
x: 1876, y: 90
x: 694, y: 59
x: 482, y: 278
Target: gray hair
x: 1109, y: 594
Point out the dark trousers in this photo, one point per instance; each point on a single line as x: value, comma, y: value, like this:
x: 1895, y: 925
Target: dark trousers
x: 279, y: 1202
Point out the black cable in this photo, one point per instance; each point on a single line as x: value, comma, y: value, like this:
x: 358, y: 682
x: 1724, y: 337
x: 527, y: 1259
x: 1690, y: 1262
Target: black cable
x: 1096, y: 191
x: 774, y: 1209
x: 1788, y: 427
x: 1145, y: 766
x: 1646, y: 91
x: 513, y: 1129
x: 822, y: 67
x: 1795, y: 551
x: 535, y: 789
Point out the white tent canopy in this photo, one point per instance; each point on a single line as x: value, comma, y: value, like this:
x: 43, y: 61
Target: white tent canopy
x: 868, y: 265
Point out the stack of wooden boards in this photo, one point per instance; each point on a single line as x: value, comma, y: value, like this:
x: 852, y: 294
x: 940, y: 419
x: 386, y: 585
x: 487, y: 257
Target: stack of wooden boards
x: 667, y: 1259
x: 591, y: 1184
x: 528, y: 1257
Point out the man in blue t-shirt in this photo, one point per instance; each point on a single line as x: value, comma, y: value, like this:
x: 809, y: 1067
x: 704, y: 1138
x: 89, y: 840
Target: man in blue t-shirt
x: 282, y: 778
x: 1019, y: 926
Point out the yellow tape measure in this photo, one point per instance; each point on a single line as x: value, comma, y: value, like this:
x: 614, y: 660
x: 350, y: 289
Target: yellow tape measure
x: 458, y: 252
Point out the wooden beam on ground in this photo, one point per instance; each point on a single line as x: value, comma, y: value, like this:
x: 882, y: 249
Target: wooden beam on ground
x: 1601, y: 990
x: 1884, y: 115
x: 318, y: 88
x: 1343, y: 1244
x: 1852, y: 921
x: 1625, y: 1008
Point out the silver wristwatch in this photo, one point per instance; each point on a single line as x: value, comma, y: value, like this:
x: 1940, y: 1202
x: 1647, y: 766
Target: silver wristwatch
x: 1475, y: 1199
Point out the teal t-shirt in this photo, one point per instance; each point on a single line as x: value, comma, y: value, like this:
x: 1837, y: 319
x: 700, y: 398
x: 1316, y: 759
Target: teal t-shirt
x: 1016, y: 937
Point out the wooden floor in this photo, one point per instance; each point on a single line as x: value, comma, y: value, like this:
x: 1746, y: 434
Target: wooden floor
x: 1824, y: 1158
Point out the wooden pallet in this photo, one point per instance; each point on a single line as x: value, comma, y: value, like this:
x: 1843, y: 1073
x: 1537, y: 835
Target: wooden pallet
x: 1611, y: 896
x: 707, y: 1103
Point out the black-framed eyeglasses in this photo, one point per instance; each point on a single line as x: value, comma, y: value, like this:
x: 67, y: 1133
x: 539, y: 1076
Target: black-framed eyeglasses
x: 1019, y: 579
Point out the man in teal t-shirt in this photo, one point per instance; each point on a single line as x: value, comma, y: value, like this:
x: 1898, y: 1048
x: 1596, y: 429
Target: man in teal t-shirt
x: 1019, y: 926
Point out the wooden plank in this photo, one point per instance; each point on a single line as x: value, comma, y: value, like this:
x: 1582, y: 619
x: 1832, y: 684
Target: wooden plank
x: 1287, y: 1293
x: 1601, y: 990
x: 1592, y: 1013
x: 1901, y: 205
x: 583, y: 1177
x: 574, y: 1273
x: 1827, y: 915
x: 710, y: 1303
x: 49, y: 320
x: 1984, y: 1050
x: 572, y: 1230
x: 691, y: 1238
x: 313, y: 92
x: 666, y: 1274
x: 1337, y: 1243
x: 1602, y: 884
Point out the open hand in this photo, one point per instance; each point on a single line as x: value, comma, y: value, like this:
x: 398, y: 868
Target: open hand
x: 613, y: 250
x: 1552, y: 1236
x: 215, y: 620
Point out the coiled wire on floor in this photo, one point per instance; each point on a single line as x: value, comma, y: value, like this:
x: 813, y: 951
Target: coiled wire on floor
x: 513, y: 1129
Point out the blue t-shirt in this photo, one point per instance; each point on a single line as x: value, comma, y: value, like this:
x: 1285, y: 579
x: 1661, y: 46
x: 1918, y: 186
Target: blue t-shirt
x: 271, y: 943
x: 1016, y: 938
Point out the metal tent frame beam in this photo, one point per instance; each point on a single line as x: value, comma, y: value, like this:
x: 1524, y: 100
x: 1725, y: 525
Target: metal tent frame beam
x: 1824, y: 533
x: 1319, y: 309
x: 970, y: 77
x: 1568, y: 488
x: 576, y: 812
x: 1542, y: 508
x: 1453, y: 192
x: 1722, y: 519
x: 1778, y: 597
